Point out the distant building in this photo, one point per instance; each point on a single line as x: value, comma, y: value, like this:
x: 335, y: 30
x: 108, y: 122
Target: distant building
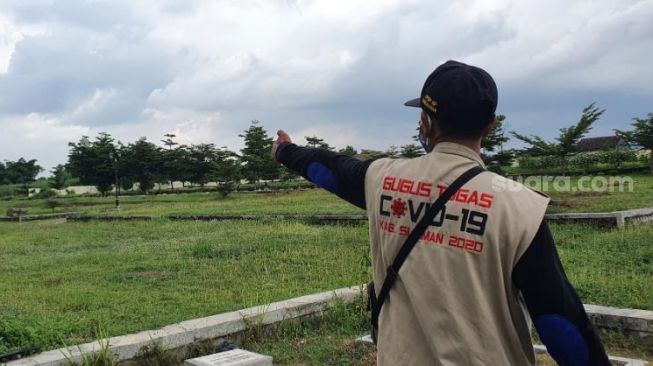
x: 601, y: 143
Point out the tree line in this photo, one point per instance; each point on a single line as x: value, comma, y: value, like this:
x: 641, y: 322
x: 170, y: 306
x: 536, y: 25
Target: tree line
x: 105, y: 162
x: 20, y: 171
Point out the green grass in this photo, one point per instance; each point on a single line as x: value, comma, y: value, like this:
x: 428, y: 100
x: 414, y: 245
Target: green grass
x: 303, y: 202
x: 65, y: 278
x: 330, y: 341
x: 61, y: 280
x: 308, y: 202
x: 608, y: 267
x: 641, y: 196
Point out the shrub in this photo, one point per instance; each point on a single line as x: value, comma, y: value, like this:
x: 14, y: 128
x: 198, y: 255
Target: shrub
x: 51, y: 204
x: 45, y: 193
x: 583, y: 160
x: 616, y: 157
x: 224, y: 188
x: 16, y: 334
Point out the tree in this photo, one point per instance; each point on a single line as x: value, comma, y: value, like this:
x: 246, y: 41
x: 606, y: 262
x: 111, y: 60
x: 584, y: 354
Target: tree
x: 496, y: 137
x: 3, y: 174
x: 94, y: 162
x: 60, y: 178
x: 142, y: 162
x: 126, y: 183
x: 641, y: 136
x: 373, y: 154
x: 568, y: 139
x: 411, y: 151
x: 201, y: 163
x: 51, y: 203
x: 169, y: 142
x: 348, y: 150
x: 497, y: 161
x: 314, y: 141
x: 258, y: 163
x: 226, y: 170
x: 169, y: 159
x: 21, y: 171
x: 392, y: 152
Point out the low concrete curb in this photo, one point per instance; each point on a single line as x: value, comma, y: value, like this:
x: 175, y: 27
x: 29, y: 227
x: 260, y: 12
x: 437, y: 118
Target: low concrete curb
x: 607, y: 219
x: 188, y: 332
x: 634, y: 321
x: 50, y: 216
x: 85, y: 218
x: 320, y: 218
x: 639, y: 216
x: 602, y: 219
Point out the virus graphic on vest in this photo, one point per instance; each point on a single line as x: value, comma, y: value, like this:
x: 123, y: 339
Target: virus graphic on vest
x: 398, y: 207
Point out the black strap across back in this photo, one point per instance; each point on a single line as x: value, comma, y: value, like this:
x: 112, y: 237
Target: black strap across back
x: 393, y: 270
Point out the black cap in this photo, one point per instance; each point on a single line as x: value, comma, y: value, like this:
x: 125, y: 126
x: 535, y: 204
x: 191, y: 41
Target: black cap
x: 458, y: 94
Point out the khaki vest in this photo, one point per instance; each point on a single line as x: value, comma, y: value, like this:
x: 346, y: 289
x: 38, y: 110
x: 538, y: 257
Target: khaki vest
x: 454, y: 302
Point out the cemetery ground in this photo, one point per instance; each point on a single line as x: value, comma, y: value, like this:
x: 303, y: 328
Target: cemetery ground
x: 61, y: 280
x: 307, y: 202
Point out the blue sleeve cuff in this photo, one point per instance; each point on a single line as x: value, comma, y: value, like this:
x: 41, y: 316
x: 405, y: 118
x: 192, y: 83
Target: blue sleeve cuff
x: 562, y: 339
x: 323, y: 177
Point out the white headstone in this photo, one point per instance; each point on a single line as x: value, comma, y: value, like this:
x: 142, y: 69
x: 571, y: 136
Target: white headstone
x: 236, y: 357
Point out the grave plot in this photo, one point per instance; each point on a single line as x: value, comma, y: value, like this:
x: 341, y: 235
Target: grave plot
x: 616, y: 219
x: 330, y: 315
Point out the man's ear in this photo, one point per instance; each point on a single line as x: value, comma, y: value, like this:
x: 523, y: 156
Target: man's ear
x: 425, y: 126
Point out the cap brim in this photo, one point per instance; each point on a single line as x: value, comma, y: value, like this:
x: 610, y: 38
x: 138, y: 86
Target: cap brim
x: 413, y: 103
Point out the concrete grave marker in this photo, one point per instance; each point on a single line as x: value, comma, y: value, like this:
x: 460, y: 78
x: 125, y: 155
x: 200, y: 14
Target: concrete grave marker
x: 236, y: 357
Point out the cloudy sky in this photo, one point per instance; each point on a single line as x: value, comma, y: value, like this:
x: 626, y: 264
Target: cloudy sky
x: 337, y: 69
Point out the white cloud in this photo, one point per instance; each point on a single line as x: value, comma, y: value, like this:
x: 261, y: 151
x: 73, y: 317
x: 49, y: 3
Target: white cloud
x: 575, y: 45
x: 100, y: 100
x: 338, y: 69
x: 37, y: 136
x: 10, y: 34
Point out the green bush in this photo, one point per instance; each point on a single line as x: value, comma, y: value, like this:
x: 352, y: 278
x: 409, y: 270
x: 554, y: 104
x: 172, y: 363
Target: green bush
x: 45, y: 194
x: 16, y: 334
x: 12, y: 190
x: 581, y: 161
x: 616, y: 157
x: 51, y: 204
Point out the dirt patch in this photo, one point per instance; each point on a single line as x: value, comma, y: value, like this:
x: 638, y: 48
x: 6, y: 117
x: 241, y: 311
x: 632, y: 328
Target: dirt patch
x: 370, y: 359
x: 362, y: 351
x: 563, y: 203
x: 590, y: 194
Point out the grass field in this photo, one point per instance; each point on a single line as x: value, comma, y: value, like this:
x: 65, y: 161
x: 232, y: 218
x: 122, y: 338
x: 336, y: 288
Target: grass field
x: 330, y: 341
x: 293, y: 202
x: 640, y: 196
x: 64, y: 278
x: 60, y: 280
x: 308, y: 202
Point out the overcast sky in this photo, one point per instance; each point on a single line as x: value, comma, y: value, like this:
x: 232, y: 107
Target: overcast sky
x: 337, y: 69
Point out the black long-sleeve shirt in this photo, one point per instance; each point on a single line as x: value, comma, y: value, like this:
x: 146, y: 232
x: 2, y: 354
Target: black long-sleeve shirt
x: 552, y: 302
